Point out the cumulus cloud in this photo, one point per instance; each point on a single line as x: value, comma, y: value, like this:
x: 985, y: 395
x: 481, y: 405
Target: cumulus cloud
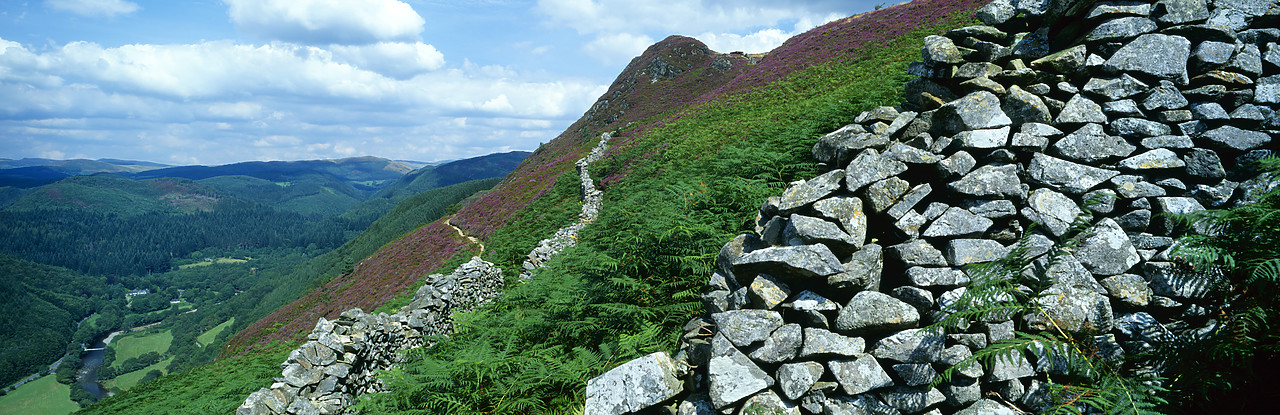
x: 93, y: 8
x: 327, y: 21
x: 615, y: 48
x: 273, y: 101
x: 741, y: 25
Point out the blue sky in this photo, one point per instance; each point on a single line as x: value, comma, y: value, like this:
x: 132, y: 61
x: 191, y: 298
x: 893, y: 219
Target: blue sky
x: 221, y: 81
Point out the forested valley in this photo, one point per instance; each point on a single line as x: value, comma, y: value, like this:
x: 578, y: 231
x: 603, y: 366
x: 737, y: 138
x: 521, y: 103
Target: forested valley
x: 172, y: 267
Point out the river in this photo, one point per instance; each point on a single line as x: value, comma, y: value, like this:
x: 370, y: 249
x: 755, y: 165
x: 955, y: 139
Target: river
x: 87, y: 376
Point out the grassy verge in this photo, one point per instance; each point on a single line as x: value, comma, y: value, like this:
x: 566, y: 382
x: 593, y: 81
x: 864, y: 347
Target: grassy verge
x: 43, y: 396
x: 129, y: 380
x: 134, y: 345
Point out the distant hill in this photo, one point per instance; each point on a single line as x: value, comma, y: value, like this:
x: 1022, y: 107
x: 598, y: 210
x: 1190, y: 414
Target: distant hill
x: 114, y: 194
x: 34, y: 172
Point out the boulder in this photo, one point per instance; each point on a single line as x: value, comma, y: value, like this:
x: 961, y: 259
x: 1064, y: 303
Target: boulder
x: 732, y: 375
x: 860, y: 374
x: 869, y: 167
x: 976, y: 111
x: 1091, y: 143
x: 811, y: 190
x: 875, y: 311
x: 802, y: 261
x: 1066, y: 176
x: 1052, y: 210
x: 848, y: 212
x: 796, y: 378
x: 910, y: 346
x: 990, y: 181
x: 957, y: 222
x: 819, y: 342
x: 633, y: 386
x: 781, y: 346
x: 1155, y: 55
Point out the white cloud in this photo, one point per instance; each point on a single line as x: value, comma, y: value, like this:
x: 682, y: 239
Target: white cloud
x: 221, y: 101
x: 615, y: 48
x: 751, y: 25
x: 93, y: 8
x: 394, y: 59
x: 326, y: 21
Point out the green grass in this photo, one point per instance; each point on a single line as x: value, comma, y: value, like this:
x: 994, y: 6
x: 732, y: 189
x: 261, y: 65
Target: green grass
x: 216, y: 388
x: 132, y: 345
x: 208, y: 336
x: 41, y: 396
x: 215, y: 261
x: 129, y: 380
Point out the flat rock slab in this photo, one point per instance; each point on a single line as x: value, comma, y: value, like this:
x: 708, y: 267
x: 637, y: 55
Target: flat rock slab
x: 744, y: 327
x: 784, y: 261
x: 732, y: 375
x: 633, y: 386
x: 873, y: 310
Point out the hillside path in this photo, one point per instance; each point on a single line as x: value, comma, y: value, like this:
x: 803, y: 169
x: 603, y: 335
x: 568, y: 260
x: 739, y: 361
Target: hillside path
x: 460, y: 233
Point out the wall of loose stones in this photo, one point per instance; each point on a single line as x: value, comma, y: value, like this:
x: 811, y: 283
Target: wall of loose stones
x: 1148, y: 107
x: 342, y: 358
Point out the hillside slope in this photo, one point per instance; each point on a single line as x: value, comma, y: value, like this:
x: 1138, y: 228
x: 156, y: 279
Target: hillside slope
x: 687, y: 168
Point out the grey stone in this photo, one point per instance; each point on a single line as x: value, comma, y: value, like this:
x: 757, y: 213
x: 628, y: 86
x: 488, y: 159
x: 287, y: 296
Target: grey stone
x: 969, y: 251
x: 1091, y: 143
x: 839, y: 145
x: 796, y: 378
x: 1120, y: 28
x: 1066, y: 176
x: 869, y: 167
x: 1159, y: 158
x: 819, y: 342
x: 848, y: 212
x: 883, y: 194
x: 990, y: 138
x: 912, y: 399
x: 910, y: 155
x: 733, y: 376
x: 991, y: 209
x: 1167, y: 141
x: 812, y: 230
x: 802, y: 261
x: 909, y: 200
x: 860, y: 374
x: 960, y: 357
x: 1209, y: 111
x: 861, y: 404
x: 1011, y: 365
x: 862, y: 270
x: 1024, y: 107
x: 299, y: 376
x: 1052, y: 210
x: 960, y: 392
x: 1066, y: 61
x: 919, y: 298
x: 990, y: 181
x: 768, y: 291
x: 931, y: 276
x: 957, y: 164
x: 1122, y: 108
x: 1267, y: 91
x: 1066, y: 270
x: 989, y: 407
x: 918, y: 253
x: 809, y: 301
x: 1248, y: 60
x: 1132, y: 187
x: 1164, y: 97
x: 697, y: 404
x: 1032, y: 45
x: 1157, y: 55
x: 1138, y: 127
x: 910, y: 223
x: 812, y: 190
x: 938, y: 49
x: 971, y: 70
x: 1137, y: 220
x: 1118, y: 8
x: 957, y: 222
x: 633, y: 386
x: 1028, y: 142
x: 976, y: 111
x: 997, y: 12
x: 910, y: 346
x: 1129, y: 288
x: 915, y: 374
x: 1073, y: 308
x: 875, y: 311
x: 1176, y: 205
x: 745, y: 327
x: 781, y: 346
x: 1235, y: 138
x: 1081, y: 110
x: 1041, y: 130
x: 1114, y: 89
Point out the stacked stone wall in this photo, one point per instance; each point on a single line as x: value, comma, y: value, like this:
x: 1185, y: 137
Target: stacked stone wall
x: 1125, y: 110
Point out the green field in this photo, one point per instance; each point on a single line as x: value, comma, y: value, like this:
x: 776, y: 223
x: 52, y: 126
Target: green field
x: 216, y: 261
x: 133, y: 345
x: 42, y: 396
x: 208, y: 336
x: 129, y: 380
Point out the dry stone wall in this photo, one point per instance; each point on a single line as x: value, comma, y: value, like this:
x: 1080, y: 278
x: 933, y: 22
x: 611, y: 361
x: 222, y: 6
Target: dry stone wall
x: 1052, y: 108
x: 342, y: 358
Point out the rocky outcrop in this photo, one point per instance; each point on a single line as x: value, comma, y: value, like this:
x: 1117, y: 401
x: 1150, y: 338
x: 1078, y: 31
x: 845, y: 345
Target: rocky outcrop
x: 1123, y: 109
x: 567, y: 236
x: 342, y: 358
